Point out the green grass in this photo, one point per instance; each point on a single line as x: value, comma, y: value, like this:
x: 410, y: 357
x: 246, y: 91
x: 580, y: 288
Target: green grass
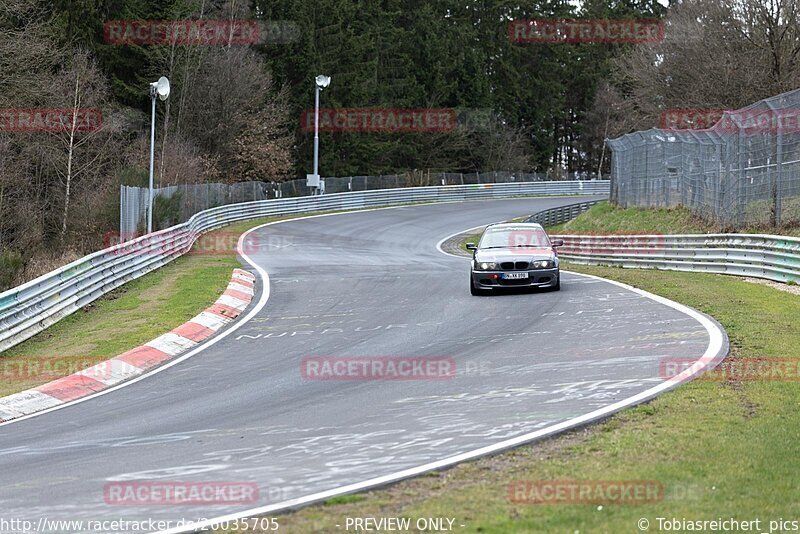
x: 128, y: 316
x: 759, y: 213
x: 344, y: 499
x: 604, y: 217
x: 720, y: 449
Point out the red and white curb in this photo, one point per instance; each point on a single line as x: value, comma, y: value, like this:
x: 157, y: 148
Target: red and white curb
x: 229, y: 306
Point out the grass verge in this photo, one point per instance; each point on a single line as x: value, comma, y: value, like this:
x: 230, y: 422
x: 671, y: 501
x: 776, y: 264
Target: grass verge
x: 605, y: 218
x: 719, y: 448
x: 128, y: 316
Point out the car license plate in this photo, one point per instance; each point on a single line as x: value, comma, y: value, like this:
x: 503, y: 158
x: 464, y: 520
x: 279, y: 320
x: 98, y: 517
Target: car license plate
x: 514, y: 276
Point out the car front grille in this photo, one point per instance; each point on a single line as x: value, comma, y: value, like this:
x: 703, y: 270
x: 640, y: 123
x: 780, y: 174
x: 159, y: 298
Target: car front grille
x: 510, y: 265
x: 532, y: 280
x: 515, y: 282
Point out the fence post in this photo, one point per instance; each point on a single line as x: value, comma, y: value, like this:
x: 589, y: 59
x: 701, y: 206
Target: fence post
x: 740, y: 189
x: 646, y: 180
x: 122, y: 204
x: 720, y: 190
x: 778, y: 174
x: 664, y: 176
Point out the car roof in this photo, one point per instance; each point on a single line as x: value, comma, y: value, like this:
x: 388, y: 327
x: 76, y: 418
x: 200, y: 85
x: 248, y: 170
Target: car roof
x: 514, y: 225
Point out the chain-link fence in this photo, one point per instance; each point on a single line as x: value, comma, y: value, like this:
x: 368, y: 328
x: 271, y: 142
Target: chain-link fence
x: 175, y: 204
x: 743, y: 171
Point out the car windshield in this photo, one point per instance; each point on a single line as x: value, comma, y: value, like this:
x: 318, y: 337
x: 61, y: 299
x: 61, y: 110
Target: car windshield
x: 514, y: 237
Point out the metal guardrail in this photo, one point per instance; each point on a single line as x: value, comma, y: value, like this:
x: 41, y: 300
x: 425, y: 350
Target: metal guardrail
x: 560, y: 214
x: 30, y: 308
x: 739, y: 171
x: 771, y: 257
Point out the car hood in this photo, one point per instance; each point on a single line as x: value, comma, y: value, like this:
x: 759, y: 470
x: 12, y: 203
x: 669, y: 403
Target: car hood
x: 516, y: 254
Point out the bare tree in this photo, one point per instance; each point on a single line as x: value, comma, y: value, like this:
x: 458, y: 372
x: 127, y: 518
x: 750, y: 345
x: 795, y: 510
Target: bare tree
x: 497, y: 146
x: 182, y: 161
x: 28, y: 56
x: 716, y: 54
x: 263, y: 148
x: 772, y: 28
x: 81, y: 143
x: 611, y: 115
x: 237, y: 97
x: 28, y: 53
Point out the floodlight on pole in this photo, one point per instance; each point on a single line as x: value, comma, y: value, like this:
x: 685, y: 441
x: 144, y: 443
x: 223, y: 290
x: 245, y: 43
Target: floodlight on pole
x: 161, y: 90
x: 322, y: 82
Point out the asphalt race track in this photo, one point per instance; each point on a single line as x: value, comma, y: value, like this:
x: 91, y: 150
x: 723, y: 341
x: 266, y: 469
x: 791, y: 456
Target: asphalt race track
x: 367, y: 283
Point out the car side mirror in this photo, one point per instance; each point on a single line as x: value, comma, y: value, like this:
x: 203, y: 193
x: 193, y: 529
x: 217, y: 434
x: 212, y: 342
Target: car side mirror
x: 558, y: 242
x: 471, y: 246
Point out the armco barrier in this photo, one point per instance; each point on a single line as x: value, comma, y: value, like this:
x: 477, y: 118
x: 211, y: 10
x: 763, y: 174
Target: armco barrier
x: 772, y: 257
x: 35, y: 305
x: 560, y: 214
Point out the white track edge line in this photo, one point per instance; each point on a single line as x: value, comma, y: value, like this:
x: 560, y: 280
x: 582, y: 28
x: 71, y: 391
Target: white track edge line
x: 235, y: 326
x: 240, y: 321
x: 715, y: 344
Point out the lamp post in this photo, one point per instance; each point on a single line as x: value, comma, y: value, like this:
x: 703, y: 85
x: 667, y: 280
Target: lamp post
x: 160, y: 89
x: 322, y: 82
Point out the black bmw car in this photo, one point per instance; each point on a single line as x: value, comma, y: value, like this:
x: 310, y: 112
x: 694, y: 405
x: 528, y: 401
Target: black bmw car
x: 514, y: 255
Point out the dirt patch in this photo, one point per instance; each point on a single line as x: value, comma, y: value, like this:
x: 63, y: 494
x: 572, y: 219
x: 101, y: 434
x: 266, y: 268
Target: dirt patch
x: 160, y: 290
x: 453, y: 244
x: 795, y: 289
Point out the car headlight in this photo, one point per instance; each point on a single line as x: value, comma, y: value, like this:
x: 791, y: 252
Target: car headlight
x: 485, y: 266
x: 543, y: 264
